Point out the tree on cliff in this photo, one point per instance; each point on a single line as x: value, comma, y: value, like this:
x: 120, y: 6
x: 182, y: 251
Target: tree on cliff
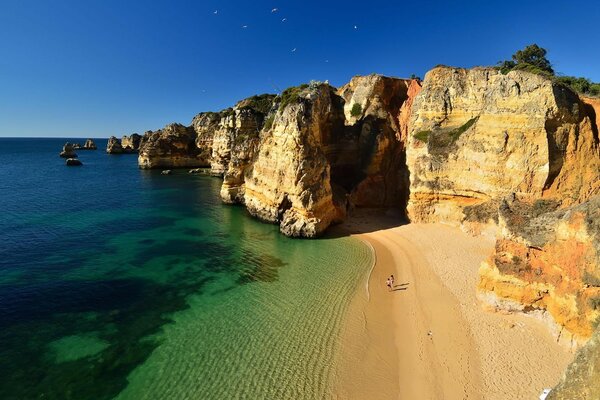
x: 532, y: 58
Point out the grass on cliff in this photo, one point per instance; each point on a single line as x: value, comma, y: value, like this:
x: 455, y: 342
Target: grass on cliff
x: 423, y: 136
x: 261, y: 103
x: 455, y: 133
x: 269, y: 122
x: 291, y: 95
x: 356, y: 110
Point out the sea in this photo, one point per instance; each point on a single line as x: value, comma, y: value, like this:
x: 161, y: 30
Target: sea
x: 121, y: 283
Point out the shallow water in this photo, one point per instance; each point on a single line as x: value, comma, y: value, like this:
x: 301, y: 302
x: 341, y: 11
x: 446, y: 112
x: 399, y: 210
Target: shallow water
x: 121, y: 283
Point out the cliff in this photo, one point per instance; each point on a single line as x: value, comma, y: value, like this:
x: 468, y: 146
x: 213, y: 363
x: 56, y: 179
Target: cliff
x: 546, y: 262
x: 172, y: 146
x: 477, y: 136
x: 125, y: 145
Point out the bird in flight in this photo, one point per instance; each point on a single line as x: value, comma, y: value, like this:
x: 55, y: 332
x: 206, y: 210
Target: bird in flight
x: 244, y: 26
x: 355, y: 27
x: 283, y: 20
x: 275, y: 10
x: 216, y: 12
x: 294, y: 50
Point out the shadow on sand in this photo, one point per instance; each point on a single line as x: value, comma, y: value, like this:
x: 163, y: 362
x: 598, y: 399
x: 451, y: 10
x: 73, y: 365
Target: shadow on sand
x: 367, y: 220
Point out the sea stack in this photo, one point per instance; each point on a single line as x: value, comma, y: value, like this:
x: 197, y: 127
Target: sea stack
x: 89, y: 145
x: 68, y: 151
x: 114, y: 146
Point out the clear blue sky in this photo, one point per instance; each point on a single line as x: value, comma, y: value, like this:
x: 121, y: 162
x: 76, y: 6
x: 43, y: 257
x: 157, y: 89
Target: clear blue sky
x: 78, y: 68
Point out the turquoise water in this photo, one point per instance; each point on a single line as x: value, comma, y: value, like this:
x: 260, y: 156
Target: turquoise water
x: 129, y: 284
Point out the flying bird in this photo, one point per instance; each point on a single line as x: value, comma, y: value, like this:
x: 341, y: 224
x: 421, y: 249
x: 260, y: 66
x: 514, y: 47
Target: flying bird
x: 326, y: 61
x: 216, y: 12
x: 294, y: 50
x: 275, y: 10
x: 244, y: 26
x: 355, y: 27
x: 283, y: 20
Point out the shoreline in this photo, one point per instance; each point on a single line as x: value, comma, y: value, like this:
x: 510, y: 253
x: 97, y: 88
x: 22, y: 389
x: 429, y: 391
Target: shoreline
x: 431, y: 338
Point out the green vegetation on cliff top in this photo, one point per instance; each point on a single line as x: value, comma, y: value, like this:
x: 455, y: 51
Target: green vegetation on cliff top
x: 533, y: 59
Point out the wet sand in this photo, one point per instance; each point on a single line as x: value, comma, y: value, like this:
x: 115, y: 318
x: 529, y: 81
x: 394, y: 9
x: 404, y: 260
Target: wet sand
x: 430, y: 338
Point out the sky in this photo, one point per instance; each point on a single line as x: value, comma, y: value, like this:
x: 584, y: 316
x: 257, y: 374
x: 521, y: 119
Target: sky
x: 96, y: 68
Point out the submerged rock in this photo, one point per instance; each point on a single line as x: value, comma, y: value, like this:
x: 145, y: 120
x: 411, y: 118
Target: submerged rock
x: 73, y: 162
x: 166, y: 172
x: 68, y: 151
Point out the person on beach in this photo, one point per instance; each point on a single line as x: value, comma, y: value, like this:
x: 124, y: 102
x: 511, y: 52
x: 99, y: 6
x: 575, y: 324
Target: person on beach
x: 392, y: 281
x: 388, y: 283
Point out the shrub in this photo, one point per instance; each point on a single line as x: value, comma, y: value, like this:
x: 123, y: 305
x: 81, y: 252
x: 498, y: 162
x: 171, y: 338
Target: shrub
x: 356, y: 110
x: 423, y: 136
x: 590, y: 279
x: 291, y: 95
x: 269, y: 122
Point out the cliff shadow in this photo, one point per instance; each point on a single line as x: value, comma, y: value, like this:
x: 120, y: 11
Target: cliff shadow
x: 367, y: 220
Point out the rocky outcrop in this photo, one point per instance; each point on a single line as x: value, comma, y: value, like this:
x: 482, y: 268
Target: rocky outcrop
x: 68, y: 151
x: 547, y: 262
x: 477, y: 136
x: 131, y: 144
x: 581, y: 381
x: 114, y: 146
x: 290, y: 182
x: 88, y: 145
x: 174, y: 146
x: 237, y: 143
x: 73, y: 162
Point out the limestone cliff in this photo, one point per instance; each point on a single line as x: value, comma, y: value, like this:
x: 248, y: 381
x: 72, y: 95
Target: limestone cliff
x: 242, y: 137
x: 290, y: 181
x: 546, y: 261
x: 114, y: 146
x: 172, y: 146
x: 477, y: 136
x: 131, y: 144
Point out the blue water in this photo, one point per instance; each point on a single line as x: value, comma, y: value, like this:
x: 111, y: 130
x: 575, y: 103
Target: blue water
x: 122, y: 283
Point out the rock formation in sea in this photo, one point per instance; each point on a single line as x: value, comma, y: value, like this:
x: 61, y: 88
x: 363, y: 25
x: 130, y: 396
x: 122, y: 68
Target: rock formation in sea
x: 125, y: 145
x: 131, y: 143
x: 114, y: 146
x: 73, y: 162
x: 90, y: 145
x: 174, y: 146
x: 68, y: 151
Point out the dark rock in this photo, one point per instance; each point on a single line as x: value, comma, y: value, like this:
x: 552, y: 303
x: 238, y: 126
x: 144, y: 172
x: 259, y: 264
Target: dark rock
x: 73, y: 162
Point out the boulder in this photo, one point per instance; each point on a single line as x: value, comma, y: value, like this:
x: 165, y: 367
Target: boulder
x: 73, y: 162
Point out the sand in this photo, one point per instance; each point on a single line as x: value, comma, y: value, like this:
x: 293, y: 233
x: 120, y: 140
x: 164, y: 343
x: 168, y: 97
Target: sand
x: 431, y: 338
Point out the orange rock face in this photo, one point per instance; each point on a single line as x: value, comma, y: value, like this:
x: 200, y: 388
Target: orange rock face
x: 547, y: 262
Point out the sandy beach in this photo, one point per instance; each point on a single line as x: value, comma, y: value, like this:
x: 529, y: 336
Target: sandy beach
x: 430, y: 338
